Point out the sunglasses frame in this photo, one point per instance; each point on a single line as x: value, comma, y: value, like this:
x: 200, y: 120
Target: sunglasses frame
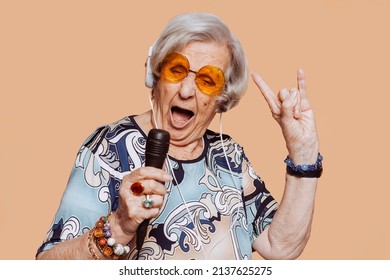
x: 198, y: 73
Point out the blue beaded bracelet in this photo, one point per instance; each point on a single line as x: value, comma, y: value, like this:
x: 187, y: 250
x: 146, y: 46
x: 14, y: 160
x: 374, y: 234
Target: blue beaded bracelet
x: 305, y: 170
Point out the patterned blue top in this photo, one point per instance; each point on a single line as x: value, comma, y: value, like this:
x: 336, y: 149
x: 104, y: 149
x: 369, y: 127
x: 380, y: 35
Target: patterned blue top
x: 208, y: 212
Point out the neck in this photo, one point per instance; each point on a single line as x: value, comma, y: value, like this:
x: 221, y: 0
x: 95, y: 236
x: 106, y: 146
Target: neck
x: 187, y: 152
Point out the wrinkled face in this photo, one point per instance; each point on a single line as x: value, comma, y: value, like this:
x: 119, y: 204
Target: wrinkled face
x: 181, y: 108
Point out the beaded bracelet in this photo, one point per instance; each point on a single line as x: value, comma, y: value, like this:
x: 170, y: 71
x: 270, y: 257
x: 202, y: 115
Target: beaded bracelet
x: 105, y: 242
x: 305, y: 170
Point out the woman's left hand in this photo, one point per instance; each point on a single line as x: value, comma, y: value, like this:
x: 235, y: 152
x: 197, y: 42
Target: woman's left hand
x: 287, y: 235
x: 292, y: 110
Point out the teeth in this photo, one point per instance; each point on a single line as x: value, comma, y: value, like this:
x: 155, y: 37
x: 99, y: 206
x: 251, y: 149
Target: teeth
x: 181, y: 116
x: 179, y: 120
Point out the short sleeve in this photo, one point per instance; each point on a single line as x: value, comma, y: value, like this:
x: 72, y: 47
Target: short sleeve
x: 260, y: 206
x: 84, y: 200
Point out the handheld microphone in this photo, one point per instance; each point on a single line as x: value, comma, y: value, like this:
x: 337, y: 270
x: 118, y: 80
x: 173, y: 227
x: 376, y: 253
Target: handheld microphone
x: 157, y: 146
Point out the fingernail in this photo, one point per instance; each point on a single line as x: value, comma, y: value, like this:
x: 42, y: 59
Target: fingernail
x: 294, y: 93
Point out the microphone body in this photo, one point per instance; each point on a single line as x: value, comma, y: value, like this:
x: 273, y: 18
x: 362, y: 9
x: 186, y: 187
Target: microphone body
x: 157, y: 146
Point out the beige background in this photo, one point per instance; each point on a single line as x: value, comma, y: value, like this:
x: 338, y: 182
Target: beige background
x: 67, y: 67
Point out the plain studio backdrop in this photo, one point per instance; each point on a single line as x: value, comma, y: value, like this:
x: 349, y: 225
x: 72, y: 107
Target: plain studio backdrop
x: 67, y: 67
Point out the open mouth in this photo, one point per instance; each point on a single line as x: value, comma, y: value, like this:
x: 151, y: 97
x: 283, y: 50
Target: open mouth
x: 181, y: 116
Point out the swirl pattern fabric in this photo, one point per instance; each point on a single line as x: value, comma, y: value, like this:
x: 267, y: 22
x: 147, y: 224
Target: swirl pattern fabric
x: 208, y: 211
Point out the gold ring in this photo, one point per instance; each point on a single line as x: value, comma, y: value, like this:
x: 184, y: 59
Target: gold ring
x: 137, y: 188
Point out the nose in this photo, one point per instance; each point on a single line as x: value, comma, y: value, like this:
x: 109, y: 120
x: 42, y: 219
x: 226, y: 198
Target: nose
x: 188, y: 87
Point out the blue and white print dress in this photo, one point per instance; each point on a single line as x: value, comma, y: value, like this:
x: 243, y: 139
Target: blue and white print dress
x: 208, y: 212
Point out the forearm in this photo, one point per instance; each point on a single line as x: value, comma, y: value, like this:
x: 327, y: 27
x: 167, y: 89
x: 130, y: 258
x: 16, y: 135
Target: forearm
x: 289, y: 231
x: 84, y: 247
x: 74, y: 249
x: 287, y: 235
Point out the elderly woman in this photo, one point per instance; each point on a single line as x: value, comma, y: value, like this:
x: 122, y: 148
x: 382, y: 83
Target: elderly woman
x: 207, y: 202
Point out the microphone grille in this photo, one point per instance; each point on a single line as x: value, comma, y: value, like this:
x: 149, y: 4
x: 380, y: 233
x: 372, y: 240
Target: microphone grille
x: 157, y: 143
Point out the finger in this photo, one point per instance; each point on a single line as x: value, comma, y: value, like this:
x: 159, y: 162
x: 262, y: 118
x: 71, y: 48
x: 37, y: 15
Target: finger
x: 141, y: 213
x: 289, y: 103
x: 154, y: 187
x: 143, y: 187
x: 268, y: 94
x: 145, y: 173
x: 283, y: 93
x: 301, y: 81
x: 138, y: 211
x: 293, y: 96
x: 158, y: 201
x: 297, y: 107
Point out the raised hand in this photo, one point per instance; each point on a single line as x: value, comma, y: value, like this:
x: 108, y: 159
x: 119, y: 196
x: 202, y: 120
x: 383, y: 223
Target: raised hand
x: 292, y: 110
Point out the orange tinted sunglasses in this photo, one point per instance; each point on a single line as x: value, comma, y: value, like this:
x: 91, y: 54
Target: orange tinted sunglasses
x: 176, y: 67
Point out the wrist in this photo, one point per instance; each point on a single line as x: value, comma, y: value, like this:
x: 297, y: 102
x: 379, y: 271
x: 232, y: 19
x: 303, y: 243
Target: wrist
x: 101, y: 238
x: 305, y: 170
x: 306, y: 154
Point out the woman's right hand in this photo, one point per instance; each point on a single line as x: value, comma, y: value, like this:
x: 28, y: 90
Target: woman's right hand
x: 131, y: 212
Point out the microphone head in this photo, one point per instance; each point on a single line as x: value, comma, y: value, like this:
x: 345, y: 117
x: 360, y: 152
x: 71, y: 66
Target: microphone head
x: 159, y: 135
x: 157, y: 146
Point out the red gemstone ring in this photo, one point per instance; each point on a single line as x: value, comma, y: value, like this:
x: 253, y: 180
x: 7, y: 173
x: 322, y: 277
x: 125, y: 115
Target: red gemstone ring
x: 137, y: 188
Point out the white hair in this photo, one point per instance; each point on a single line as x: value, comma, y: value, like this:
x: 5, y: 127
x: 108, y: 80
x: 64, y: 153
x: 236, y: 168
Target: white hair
x: 204, y: 27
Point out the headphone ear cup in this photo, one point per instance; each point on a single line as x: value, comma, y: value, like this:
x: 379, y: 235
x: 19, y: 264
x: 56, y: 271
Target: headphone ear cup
x: 149, y: 77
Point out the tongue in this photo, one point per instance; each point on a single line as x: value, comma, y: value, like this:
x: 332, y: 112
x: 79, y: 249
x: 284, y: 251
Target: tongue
x: 181, y: 115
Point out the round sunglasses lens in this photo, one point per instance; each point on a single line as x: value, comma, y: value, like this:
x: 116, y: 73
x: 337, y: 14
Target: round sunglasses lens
x: 175, y: 67
x: 210, y: 80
